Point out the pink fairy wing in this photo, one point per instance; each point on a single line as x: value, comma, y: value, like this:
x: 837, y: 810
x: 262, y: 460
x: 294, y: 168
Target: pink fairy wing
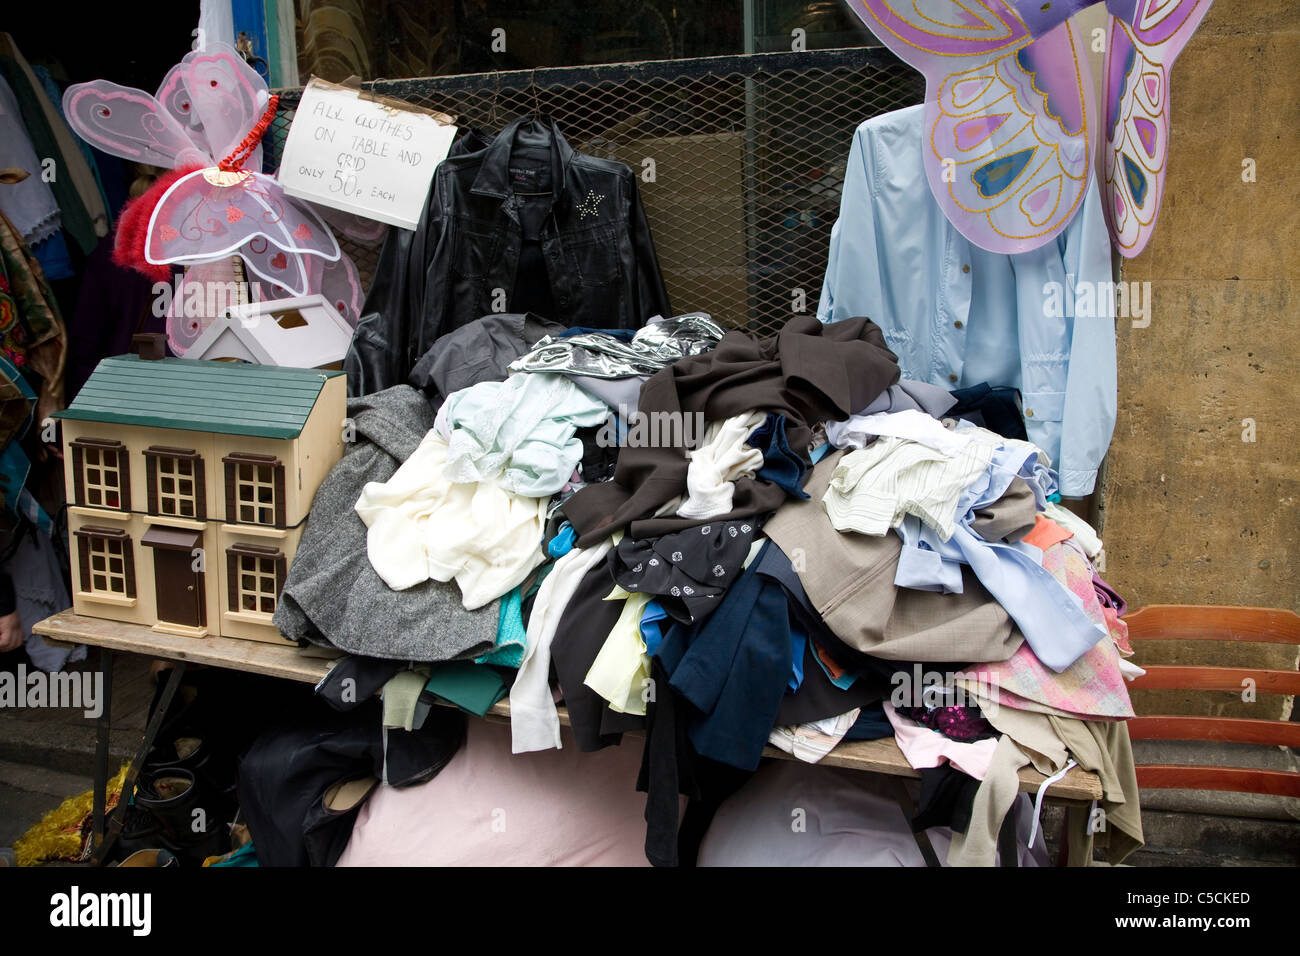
x: 229, y: 97
x: 369, y: 232
x: 337, y: 281
x: 1139, y: 56
x: 174, y: 96
x: 129, y: 123
x: 281, y: 271
x: 340, y: 283
x: 202, y: 294
x: 210, y: 212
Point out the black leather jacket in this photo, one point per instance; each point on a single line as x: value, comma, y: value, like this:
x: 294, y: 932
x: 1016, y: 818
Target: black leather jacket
x: 521, y: 223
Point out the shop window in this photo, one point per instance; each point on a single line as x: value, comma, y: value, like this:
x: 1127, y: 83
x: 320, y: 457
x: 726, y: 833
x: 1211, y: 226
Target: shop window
x: 254, y: 489
x: 106, y: 561
x: 101, y: 474
x: 256, y: 575
x: 176, y: 484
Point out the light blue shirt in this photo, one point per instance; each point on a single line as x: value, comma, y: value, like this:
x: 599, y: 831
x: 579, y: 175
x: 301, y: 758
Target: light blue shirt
x: 957, y: 315
x: 1048, y: 614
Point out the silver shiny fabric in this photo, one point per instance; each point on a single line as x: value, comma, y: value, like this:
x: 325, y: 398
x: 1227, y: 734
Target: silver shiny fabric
x: 656, y: 345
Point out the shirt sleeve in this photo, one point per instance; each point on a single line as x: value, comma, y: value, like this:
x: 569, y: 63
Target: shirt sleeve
x: 851, y: 287
x: 1090, y: 391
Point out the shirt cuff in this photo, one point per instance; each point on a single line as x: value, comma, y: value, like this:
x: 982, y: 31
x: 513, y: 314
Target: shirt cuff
x: 1076, y: 484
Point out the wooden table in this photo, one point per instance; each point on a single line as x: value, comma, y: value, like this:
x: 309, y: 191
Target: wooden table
x: 1077, y: 787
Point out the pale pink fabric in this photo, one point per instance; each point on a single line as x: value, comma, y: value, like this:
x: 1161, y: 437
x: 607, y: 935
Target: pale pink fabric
x: 924, y: 747
x: 489, y: 807
x: 1091, y: 687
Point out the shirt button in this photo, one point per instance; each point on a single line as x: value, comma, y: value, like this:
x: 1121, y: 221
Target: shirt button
x: 965, y: 268
x: 1029, y: 413
x: 957, y: 324
x: 952, y: 377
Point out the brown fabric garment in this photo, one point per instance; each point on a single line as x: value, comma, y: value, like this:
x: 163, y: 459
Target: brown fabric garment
x: 808, y: 372
x: 1009, y: 518
x: 849, y: 578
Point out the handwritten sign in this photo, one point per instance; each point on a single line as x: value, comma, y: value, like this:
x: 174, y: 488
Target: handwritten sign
x: 371, y: 157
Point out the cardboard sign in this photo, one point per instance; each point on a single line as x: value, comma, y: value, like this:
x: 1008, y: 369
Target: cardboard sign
x: 363, y: 155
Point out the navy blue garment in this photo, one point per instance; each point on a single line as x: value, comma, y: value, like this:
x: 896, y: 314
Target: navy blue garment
x: 733, y: 669
x: 997, y: 409
x: 781, y: 466
x: 872, y: 724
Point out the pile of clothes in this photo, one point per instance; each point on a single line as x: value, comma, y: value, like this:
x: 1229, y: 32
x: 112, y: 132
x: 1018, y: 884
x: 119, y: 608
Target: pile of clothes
x: 723, y: 543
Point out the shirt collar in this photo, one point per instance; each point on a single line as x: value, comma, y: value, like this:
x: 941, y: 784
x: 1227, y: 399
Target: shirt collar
x: 493, y: 176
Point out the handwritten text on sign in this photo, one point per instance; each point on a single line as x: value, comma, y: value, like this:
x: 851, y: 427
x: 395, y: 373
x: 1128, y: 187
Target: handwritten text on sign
x: 362, y: 156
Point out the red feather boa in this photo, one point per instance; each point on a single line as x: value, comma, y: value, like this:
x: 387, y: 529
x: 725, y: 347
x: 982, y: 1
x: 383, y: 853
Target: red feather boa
x: 133, y: 227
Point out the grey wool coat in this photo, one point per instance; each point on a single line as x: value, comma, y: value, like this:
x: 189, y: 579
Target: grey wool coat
x: 333, y: 597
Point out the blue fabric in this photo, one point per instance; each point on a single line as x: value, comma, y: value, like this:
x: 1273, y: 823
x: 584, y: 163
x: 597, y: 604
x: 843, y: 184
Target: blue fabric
x: 1051, y: 618
x: 623, y: 335
x: 872, y: 724
x: 733, y: 668
x: 820, y: 452
x: 799, y: 644
x: 957, y: 315
x: 52, y: 254
x: 562, y: 543
x: 651, y: 629
x: 781, y: 466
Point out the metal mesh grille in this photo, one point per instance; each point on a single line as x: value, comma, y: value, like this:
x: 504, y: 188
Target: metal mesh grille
x: 741, y: 159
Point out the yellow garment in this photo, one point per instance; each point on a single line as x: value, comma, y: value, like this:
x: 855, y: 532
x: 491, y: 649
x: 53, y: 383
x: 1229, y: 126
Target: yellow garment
x: 64, y: 833
x: 621, y: 669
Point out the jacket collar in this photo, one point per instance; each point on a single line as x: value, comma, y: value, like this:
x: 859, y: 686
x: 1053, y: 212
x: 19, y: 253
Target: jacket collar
x: 493, y: 176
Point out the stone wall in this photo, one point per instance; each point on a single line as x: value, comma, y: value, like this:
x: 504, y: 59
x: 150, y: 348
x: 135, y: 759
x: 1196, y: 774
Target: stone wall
x: 1199, y: 498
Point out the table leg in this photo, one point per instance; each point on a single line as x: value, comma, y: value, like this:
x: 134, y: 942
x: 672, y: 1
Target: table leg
x: 103, y: 724
x: 922, y: 838
x: 118, y: 816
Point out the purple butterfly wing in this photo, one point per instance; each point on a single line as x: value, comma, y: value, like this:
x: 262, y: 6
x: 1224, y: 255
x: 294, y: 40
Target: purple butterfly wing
x: 1007, y: 112
x: 1140, y: 52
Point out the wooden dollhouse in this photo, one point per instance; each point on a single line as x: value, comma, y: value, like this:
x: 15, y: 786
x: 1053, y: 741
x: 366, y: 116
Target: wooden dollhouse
x: 188, y: 484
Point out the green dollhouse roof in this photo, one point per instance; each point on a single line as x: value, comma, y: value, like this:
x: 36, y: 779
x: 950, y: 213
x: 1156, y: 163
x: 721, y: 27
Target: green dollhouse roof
x: 223, y: 397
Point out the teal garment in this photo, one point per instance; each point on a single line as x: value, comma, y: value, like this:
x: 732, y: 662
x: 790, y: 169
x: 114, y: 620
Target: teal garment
x: 245, y: 856
x: 512, y: 632
x: 472, y: 687
x: 512, y: 636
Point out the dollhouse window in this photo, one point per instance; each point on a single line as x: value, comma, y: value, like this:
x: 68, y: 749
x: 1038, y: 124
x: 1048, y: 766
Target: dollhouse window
x: 176, y: 485
x: 256, y: 576
x: 254, y: 489
x: 101, y: 474
x: 106, y: 562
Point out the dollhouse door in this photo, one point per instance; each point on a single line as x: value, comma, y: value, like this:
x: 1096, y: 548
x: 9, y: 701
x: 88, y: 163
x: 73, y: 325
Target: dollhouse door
x: 178, y: 584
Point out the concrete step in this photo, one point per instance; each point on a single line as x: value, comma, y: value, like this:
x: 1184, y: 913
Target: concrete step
x: 28, y: 792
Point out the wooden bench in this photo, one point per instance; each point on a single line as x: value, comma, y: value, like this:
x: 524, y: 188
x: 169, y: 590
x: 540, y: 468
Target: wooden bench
x: 1077, y: 787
